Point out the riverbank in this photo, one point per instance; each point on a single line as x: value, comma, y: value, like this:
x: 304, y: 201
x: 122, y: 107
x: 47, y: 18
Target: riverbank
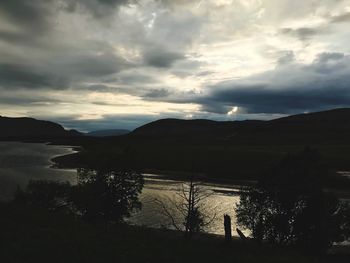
x: 77, y: 159
x: 38, y: 236
x: 208, y: 161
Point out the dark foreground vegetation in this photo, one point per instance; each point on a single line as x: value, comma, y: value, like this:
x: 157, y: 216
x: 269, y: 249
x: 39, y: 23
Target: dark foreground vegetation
x: 290, y: 216
x: 290, y: 212
x: 36, y: 235
x: 289, y: 206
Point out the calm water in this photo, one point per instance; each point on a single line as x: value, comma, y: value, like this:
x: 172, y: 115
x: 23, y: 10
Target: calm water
x: 221, y: 200
x: 21, y: 162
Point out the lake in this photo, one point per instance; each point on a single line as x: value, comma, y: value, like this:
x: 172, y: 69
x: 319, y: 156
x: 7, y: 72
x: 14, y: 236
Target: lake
x: 21, y: 162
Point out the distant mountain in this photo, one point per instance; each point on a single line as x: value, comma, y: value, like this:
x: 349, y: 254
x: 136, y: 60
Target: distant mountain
x: 332, y: 125
x: 108, y: 133
x: 28, y: 128
x: 329, y: 120
x: 178, y: 127
x: 232, y: 150
x: 337, y: 120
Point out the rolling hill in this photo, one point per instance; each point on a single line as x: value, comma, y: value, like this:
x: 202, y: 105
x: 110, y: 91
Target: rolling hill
x: 230, y: 150
x: 333, y: 122
x: 29, y: 128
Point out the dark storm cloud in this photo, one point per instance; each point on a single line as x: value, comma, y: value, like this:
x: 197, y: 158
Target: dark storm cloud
x: 59, y: 73
x: 33, y: 15
x: 288, y: 89
x: 36, y: 55
x: 133, y: 77
x: 19, y: 38
x: 18, y: 100
x: 151, y: 53
x: 36, y: 18
x: 157, y: 93
x: 160, y: 58
x: 37, y: 14
x: 94, y: 65
x: 98, y: 8
x: 24, y: 76
x: 214, y: 105
x: 263, y: 100
x: 287, y: 58
x: 98, y: 88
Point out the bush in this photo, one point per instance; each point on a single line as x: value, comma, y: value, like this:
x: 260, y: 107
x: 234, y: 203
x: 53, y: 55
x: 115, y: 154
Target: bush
x: 49, y: 195
x: 99, y: 197
x: 290, y: 207
x: 106, y: 196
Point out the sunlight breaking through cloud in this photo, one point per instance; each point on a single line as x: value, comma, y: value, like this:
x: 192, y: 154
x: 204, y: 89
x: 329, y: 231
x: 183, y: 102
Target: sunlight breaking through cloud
x: 149, y: 57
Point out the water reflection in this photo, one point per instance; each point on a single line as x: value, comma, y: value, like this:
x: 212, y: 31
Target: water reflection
x: 221, y: 201
x: 21, y: 162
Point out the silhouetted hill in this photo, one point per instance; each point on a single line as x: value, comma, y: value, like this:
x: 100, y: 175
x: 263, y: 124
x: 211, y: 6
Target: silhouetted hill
x: 178, y: 127
x: 28, y: 128
x: 107, y: 133
x: 337, y: 120
x: 231, y: 150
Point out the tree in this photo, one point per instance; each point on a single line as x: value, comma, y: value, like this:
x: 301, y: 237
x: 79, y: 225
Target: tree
x: 289, y: 206
x: 106, y: 195
x: 345, y: 227
x: 49, y: 195
x: 187, y: 210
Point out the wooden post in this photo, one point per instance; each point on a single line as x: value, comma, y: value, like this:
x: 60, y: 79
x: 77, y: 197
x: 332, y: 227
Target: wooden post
x: 227, y: 225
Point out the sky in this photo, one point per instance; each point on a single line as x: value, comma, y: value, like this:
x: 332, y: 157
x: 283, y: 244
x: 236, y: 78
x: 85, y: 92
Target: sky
x: 101, y: 64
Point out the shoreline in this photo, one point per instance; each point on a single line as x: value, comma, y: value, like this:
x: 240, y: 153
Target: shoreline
x: 61, y: 163
x: 70, y: 161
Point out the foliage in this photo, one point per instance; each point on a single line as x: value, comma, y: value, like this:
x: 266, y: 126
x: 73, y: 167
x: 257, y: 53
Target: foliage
x: 289, y: 205
x: 106, y: 196
x: 345, y: 227
x: 34, y: 236
x: 100, y: 196
x: 50, y: 195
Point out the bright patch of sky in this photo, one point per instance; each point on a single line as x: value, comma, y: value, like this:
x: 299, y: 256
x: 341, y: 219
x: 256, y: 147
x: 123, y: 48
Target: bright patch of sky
x: 126, y: 62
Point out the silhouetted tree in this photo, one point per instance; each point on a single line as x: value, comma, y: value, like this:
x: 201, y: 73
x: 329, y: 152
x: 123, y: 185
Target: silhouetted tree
x: 106, y: 196
x: 289, y: 205
x: 49, y: 195
x: 345, y: 214
x: 187, y: 210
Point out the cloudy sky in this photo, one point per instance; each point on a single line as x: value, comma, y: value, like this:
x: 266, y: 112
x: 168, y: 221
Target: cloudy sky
x: 98, y: 64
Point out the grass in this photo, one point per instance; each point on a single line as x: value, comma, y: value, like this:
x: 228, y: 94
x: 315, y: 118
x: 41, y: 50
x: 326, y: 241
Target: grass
x: 29, y: 236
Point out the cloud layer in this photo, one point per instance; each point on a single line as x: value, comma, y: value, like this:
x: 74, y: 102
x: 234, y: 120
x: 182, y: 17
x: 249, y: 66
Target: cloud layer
x: 120, y: 63
x: 287, y: 89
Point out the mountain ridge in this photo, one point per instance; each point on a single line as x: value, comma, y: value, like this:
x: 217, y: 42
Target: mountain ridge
x: 26, y: 127
x: 335, y: 119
